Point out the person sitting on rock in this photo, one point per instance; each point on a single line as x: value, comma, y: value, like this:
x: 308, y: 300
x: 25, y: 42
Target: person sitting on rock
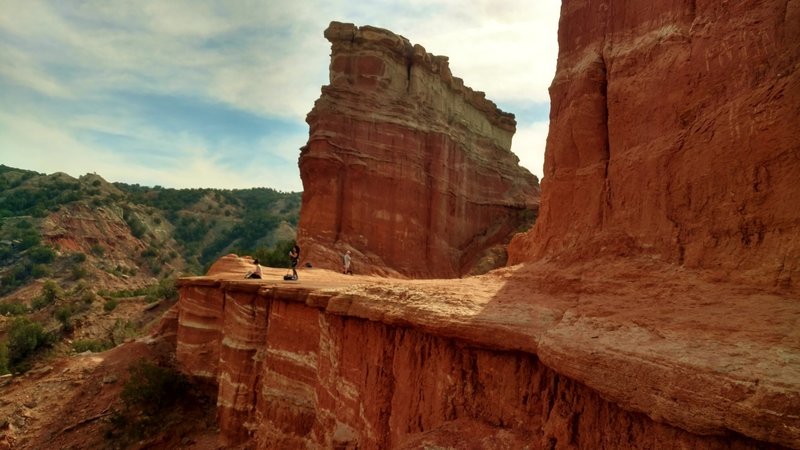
x: 256, y: 273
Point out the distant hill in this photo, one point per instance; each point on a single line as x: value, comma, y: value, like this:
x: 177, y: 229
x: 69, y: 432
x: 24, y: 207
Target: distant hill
x: 86, y: 264
x: 58, y: 227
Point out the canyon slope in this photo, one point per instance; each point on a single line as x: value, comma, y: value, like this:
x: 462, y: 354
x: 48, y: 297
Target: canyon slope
x: 654, y: 304
x: 407, y: 167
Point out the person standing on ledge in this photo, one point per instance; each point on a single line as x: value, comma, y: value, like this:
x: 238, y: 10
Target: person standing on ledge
x: 294, y: 257
x: 346, y: 262
x: 256, y: 273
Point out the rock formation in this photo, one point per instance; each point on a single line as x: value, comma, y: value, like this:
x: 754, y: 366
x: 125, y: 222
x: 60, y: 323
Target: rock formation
x: 671, y: 166
x: 519, y: 358
x: 674, y: 133
x: 406, y: 166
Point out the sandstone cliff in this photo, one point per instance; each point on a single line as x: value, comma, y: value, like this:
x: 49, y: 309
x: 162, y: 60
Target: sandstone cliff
x: 674, y: 133
x: 519, y: 358
x: 406, y: 166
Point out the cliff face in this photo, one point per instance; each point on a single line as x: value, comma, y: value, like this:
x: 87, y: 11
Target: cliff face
x: 674, y: 132
x: 406, y: 166
x: 490, y: 362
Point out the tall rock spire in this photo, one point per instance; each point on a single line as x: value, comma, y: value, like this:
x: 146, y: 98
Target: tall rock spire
x: 406, y: 166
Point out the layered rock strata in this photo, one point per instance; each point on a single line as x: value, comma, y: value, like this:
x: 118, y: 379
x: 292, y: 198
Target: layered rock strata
x: 581, y: 361
x: 405, y: 166
x: 674, y: 132
x: 662, y: 151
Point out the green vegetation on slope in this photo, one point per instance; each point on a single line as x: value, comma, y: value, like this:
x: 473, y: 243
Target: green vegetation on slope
x: 73, y: 250
x: 209, y: 223
x: 183, y: 229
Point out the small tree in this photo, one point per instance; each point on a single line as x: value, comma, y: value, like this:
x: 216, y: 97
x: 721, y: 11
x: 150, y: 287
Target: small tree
x: 64, y: 316
x: 4, y: 369
x: 50, y: 292
x: 153, y: 388
x: 42, y: 254
x: 110, y: 304
x: 153, y: 397
x: 13, y: 308
x: 24, y: 338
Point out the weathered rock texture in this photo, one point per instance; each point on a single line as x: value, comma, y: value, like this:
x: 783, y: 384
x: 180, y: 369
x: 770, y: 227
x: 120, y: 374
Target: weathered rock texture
x: 521, y: 358
x: 674, y: 132
x: 406, y: 166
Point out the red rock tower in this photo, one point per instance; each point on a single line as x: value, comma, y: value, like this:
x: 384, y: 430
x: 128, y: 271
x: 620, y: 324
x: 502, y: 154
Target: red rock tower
x: 406, y: 166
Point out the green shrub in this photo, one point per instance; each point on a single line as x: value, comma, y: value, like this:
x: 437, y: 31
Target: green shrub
x: 39, y: 271
x: 97, y: 250
x: 78, y: 272
x: 78, y: 257
x: 50, y: 292
x: 24, y: 225
x: 88, y: 297
x: 41, y: 254
x: 136, y: 225
x: 153, y: 388
x: 64, y: 316
x: 4, y: 367
x: 110, y: 304
x: 28, y: 241
x: 38, y: 303
x: 123, y: 330
x: 13, y: 308
x: 167, y: 289
x: 6, y: 252
x: 152, y: 398
x: 25, y: 337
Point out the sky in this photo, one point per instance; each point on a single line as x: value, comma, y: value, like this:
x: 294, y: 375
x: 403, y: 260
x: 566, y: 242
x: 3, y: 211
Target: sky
x: 200, y: 93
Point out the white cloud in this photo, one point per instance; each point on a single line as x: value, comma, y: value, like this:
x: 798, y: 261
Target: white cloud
x: 529, y: 143
x: 208, y: 172
x: 30, y: 143
x: 23, y: 70
x: 265, y: 57
x: 507, y: 49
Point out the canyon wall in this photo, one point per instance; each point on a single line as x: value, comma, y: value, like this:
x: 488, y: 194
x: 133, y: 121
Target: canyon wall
x: 405, y: 166
x: 675, y: 132
x: 371, y: 368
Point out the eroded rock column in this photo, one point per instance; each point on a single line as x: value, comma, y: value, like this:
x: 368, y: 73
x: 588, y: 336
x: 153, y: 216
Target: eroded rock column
x: 405, y: 166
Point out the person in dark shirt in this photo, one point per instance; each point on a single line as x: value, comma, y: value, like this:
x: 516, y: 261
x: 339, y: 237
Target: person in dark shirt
x: 294, y: 257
